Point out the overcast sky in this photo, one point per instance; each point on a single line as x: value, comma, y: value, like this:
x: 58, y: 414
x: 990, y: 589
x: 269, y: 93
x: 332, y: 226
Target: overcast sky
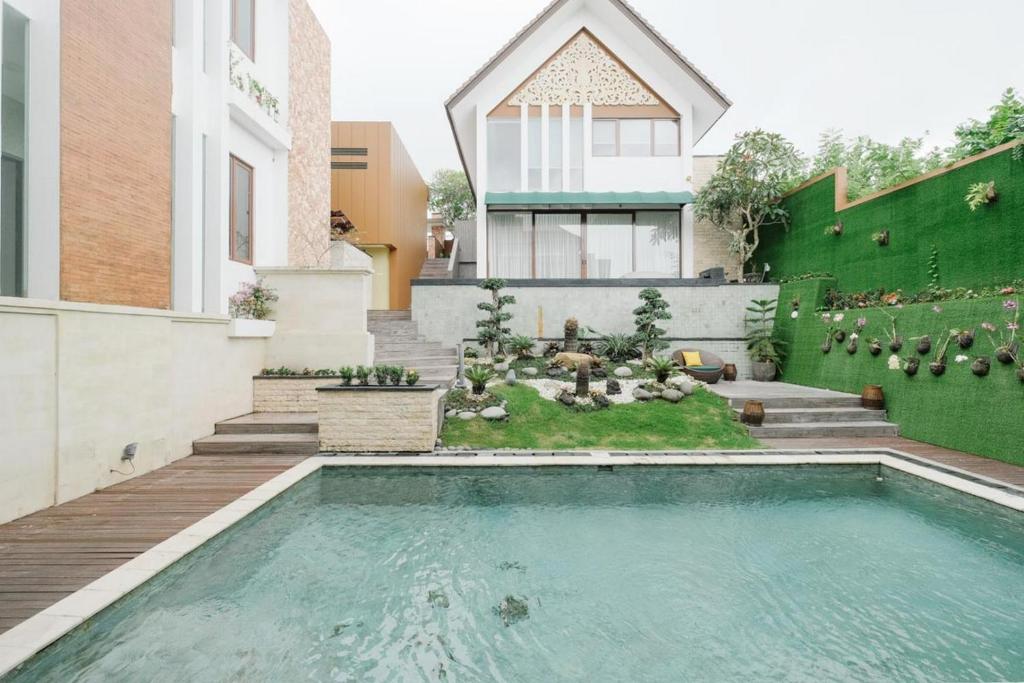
x: 885, y: 68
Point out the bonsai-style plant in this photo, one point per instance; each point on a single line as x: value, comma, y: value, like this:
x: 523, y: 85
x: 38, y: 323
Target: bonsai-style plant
x: 745, y: 193
x: 252, y: 301
x: 479, y: 376
x: 881, y: 238
x: 764, y: 348
x: 520, y: 345
x: 583, y: 379
x: 363, y: 374
x: 346, y: 374
x: 492, y: 329
x: 646, y: 316
x: 1006, y: 345
x: 570, y: 332
x: 980, y: 194
x: 662, y: 367
x: 618, y: 347
x: 411, y: 377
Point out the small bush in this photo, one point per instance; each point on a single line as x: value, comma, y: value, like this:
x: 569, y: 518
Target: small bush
x: 363, y: 374
x: 346, y: 373
x: 521, y: 345
x: 478, y: 376
x: 381, y: 373
x: 411, y: 377
x: 618, y: 347
x: 661, y: 367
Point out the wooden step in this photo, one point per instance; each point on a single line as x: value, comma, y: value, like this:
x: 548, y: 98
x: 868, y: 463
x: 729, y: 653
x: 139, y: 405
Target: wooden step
x: 802, y: 415
x: 257, y: 444
x: 824, y: 430
x: 801, y: 402
x: 269, y: 423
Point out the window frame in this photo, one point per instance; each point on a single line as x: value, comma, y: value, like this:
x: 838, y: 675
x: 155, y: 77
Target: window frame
x: 233, y: 215
x: 653, y: 146
x: 252, y: 27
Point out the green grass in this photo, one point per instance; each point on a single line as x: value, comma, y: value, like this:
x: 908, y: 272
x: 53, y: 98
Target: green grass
x: 700, y: 421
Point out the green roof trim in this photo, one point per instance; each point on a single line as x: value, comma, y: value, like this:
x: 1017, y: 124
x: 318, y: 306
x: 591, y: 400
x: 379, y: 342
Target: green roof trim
x: 591, y: 198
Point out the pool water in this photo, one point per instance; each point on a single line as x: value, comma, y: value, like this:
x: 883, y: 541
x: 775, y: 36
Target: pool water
x: 541, y: 574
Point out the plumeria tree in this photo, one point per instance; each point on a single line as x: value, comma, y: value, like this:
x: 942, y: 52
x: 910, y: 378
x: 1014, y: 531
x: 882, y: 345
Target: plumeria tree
x: 451, y: 197
x: 745, y: 193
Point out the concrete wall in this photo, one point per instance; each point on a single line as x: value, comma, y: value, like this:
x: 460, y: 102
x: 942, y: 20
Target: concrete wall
x: 708, y: 317
x: 80, y: 381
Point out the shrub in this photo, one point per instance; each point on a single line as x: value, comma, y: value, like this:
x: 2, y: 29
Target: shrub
x: 252, y: 300
x: 521, y: 345
x: 411, y: 377
x: 363, y: 374
x: 323, y: 372
x: 381, y: 373
x: 346, y: 373
x: 395, y: 373
x: 618, y: 347
x: 470, y: 352
x: 492, y: 330
x: 661, y: 367
x: 648, y: 334
x: 478, y: 376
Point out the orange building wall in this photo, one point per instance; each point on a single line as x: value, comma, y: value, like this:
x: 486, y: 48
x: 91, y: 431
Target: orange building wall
x: 387, y: 202
x: 115, y: 172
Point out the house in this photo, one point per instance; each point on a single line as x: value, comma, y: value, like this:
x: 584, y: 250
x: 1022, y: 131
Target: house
x: 577, y: 139
x: 375, y: 185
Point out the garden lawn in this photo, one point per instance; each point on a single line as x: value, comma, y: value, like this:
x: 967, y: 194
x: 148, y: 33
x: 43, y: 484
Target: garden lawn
x: 701, y: 421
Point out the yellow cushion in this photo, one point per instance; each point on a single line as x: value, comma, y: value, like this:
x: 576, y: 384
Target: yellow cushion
x: 692, y: 358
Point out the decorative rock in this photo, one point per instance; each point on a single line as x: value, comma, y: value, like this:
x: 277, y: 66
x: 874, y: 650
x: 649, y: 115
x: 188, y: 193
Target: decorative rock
x: 510, y: 378
x: 451, y: 413
x: 567, y: 398
x: 467, y: 415
x: 623, y: 371
x: 598, y: 373
x: 613, y: 387
x: 493, y: 413
x: 501, y: 367
x: 601, y: 400
x: 642, y: 394
x: 530, y: 371
x: 682, y: 383
x: 555, y: 371
x: 573, y: 359
x: 672, y: 395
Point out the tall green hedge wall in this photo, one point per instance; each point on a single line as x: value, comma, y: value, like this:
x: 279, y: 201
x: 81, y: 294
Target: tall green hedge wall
x: 983, y: 415
x: 983, y: 247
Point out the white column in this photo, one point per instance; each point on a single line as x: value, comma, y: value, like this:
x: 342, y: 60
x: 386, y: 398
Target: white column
x: 481, y: 192
x: 566, y: 152
x: 545, y: 163
x: 588, y: 118
x: 214, y: 158
x: 524, y: 147
x: 687, y: 245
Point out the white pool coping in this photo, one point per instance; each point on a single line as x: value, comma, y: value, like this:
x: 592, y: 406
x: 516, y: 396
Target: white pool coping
x: 37, y: 632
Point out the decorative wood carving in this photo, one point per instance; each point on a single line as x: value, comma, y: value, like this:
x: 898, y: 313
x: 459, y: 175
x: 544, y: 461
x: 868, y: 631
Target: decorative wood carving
x: 584, y: 73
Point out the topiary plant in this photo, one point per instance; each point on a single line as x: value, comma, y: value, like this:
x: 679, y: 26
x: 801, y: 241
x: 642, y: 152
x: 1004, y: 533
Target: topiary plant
x: 648, y: 335
x: 492, y: 330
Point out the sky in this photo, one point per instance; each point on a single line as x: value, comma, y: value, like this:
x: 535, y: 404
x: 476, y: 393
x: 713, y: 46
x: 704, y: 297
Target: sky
x: 888, y: 69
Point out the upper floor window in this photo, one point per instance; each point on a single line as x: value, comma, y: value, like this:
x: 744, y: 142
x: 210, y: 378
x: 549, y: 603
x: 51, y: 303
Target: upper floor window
x: 240, y: 211
x: 635, y: 137
x: 243, y: 26
x: 504, y: 155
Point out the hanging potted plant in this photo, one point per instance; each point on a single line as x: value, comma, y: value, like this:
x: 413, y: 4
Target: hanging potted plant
x: 1006, y: 344
x: 881, y: 238
x: 874, y: 346
x: 924, y: 345
x: 765, y: 350
x: 826, y: 319
x: 895, y: 340
x: 981, y: 366
x: 965, y: 338
x: 834, y: 230
x: 911, y: 365
x: 858, y: 327
x: 979, y: 194
x: 938, y: 365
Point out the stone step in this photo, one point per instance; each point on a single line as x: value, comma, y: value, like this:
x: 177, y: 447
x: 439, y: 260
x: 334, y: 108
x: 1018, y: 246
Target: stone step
x: 378, y: 314
x: 269, y: 423
x: 802, y: 402
x: 410, y: 348
x: 823, y: 430
x: 257, y: 444
x: 416, y: 361
x: 803, y: 415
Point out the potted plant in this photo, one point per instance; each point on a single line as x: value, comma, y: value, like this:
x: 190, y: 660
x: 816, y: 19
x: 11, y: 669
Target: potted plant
x: 938, y: 364
x: 910, y: 365
x: 830, y: 328
x: 346, y: 374
x: 395, y: 373
x: 834, y: 230
x: 363, y: 375
x: 661, y: 367
x: 520, y: 345
x: 980, y: 194
x: 874, y: 346
x: 965, y: 338
x: 881, y: 238
x: 1006, y: 345
x: 411, y: 377
x: 381, y: 374
x: 479, y: 376
x: 764, y: 348
x: 924, y: 345
x: 981, y: 366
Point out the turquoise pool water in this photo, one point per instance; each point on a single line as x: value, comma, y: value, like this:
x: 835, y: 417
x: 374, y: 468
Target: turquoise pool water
x: 736, y: 573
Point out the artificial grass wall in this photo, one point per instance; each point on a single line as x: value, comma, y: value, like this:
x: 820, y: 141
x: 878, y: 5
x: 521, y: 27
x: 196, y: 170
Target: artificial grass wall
x: 975, y: 249
x: 982, y: 415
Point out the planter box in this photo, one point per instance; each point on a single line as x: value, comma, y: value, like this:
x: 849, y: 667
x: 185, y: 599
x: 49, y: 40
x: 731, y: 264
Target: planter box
x: 243, y: 327
x: 375, y: 419
x: 290, y: 394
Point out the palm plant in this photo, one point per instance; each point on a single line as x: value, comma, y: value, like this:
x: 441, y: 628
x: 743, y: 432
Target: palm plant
x: 478, y: 376
x: 618, y: 347
x: 521, y: 345
x: 662, y: 367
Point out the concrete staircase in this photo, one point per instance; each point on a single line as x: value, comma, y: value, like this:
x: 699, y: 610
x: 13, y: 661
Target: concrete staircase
x: 397, y: 341
x: 792, y: 411
x: 262, y: 434
x: 435, y: 269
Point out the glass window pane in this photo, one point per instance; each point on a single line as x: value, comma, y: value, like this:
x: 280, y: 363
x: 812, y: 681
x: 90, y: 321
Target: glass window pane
x: 241, y: 197
x: 509, y: 244
x: 243, y: 23
x: 603, y: 134
x: 555, y: 152
x: 12, y: 172
x: 533, y: 140
x: 576, y: 154
x: 635, y: 137
x: 503, y: 152
x: 657, y: 244
x: 609, y: 245
x: 666, y: 138
x: 559, y: 245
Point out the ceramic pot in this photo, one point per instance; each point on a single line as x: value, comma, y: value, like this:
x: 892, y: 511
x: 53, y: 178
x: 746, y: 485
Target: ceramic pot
x: 924, y: 345
x: 981, y: 366
x: 896, y: 344
x: 872, y: 397
x: 729, y: 372
x: 763, y: 372
x: 912, y: 366
x: 753, y: 413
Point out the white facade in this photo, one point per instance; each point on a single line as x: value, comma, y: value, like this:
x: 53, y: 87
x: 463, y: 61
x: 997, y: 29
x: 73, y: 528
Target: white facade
x: 217, y: 117
x: 625, y: 37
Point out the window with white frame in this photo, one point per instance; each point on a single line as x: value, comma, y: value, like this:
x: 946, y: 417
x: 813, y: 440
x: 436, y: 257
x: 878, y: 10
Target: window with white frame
x: 635, y: 137
x: 503, y: 155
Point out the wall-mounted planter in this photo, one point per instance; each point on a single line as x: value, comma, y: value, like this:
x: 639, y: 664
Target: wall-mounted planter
x: 379, y: 419
x: 242, y: 327
x: 881, y: 238
x: 981, y: 366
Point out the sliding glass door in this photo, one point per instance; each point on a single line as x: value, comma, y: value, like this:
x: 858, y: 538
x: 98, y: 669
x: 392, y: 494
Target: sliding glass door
x: 609, y: 245
x: 559, y: 245
x: 14, y: 148
x: 510, y: 245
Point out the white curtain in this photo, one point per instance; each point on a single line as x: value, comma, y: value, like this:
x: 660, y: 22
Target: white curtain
x: 609, y: 245
x: 503, y: 155
x: 509, y: 243
x: 657, y: 244
x: 559, y: 245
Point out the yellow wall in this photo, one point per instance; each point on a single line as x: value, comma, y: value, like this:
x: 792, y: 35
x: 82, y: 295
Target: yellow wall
x: 387, y: 201
x: 380, y: 299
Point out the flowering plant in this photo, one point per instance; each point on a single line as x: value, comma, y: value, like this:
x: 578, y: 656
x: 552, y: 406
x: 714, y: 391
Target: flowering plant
x: 252, y: 300
x: 1004, y: 339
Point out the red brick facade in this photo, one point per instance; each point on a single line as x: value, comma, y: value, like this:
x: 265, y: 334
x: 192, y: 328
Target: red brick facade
x: 115, y: 175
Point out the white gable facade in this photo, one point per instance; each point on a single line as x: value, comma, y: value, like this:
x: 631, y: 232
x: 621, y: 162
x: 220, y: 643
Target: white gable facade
x: 577, y: 139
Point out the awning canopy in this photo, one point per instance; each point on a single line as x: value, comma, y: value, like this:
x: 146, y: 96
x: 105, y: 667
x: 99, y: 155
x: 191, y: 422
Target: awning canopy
x: 589, y: 199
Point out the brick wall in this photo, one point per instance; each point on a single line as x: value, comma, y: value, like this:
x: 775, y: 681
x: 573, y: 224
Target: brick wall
x: 115, y: 174
x: 376, y: 420
x: 287, y: 395
x: 309, y: 116
x: 710, y: 244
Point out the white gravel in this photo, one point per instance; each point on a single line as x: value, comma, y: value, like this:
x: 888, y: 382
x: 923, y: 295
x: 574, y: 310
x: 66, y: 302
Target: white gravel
x: 549, y: 388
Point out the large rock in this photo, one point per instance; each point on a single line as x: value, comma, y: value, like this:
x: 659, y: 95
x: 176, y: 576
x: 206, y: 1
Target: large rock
x: 623, y: 371
x: 530, y: 371
x: 510, y: 378
x: 682, y: 383
x: 672, y: 395
x: 571, y: 360
x: 602, y: 400
x: 598, y: 373
x: 501, y: 367
x: 567, y: 398
x: 556, y: 371
x: 493, y: 413
x: 642, y: 394
x: 613, y: 387
x: 467, y: 415
x: 451, y: 413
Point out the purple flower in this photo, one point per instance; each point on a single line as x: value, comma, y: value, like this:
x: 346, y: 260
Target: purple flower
x: 861, y: 322
x: 1010, y: 305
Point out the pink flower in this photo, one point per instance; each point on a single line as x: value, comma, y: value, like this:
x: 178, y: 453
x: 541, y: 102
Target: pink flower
x: 826, y: 317
x: 861, y: 322
x: 1010, y: 305
x: 1012, y: 326
x: 988, y: 327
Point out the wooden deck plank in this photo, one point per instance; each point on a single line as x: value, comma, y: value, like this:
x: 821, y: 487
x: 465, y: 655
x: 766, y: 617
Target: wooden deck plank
x: 50, y: 554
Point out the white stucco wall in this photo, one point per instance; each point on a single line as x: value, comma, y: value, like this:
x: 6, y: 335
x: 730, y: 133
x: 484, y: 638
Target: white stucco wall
x: 78, y: 382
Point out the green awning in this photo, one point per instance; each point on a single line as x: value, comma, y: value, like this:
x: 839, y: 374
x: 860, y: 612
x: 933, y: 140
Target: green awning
x: 588, y: 198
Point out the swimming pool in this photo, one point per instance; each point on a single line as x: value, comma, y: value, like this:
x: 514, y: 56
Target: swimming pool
x: 654, y: 573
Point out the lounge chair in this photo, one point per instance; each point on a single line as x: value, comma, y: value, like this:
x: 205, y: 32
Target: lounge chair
x: 709, y: 369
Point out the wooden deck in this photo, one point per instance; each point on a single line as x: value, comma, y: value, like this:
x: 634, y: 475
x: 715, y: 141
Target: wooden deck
x: 47, y: 555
